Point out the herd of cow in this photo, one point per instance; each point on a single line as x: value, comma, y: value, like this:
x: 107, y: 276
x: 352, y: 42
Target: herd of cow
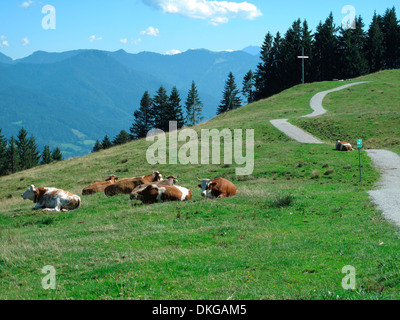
x: 148, y: 189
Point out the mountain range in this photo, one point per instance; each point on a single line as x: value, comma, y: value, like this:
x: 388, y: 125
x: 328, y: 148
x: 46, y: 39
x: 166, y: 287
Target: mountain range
x: 70, y: 99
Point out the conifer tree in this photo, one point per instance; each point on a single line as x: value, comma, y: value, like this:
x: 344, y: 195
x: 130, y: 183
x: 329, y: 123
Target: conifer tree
x: 106, y: 143
x: 231, y: 99
x: 176, y: 108
x: 391, y: 38
x: 33, y: 152
x: 194, y: 107
x: 248, y: 84
x: 46, y: 155
x: 56, y: 155
x: 23, y: 149
x: 143, y: 118
x: 97, y: 146
x: 3, y: 151
x: 374, y: 45
x: 325, y: 51
x: 162, y: 110
x: 121, y: 138
x: 262, y: 81
x: 12, y: 156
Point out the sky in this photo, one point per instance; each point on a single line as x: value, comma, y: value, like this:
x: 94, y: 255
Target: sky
x: 162, y: 26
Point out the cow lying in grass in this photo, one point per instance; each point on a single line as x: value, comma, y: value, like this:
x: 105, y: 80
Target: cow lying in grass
x: 126, y: 185
x: 170, y: 181
x: 343, y: 146
x: 217, y: 188
x: 153, y: 193
x: 52, y: 199
x: 99, y: 186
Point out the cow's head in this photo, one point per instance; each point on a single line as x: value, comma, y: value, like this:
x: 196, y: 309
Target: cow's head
x: 205, y: 187
x: 174, y: 179
x: 148, y: 194
x: 157, y: 176
x: 31, y: 193
x: 113, y: 178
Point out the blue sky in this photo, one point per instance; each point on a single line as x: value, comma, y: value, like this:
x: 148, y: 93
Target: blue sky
x: 161, y: 25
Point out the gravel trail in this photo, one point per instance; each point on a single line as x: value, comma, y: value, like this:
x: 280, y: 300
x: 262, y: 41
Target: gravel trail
x: 387, y: 195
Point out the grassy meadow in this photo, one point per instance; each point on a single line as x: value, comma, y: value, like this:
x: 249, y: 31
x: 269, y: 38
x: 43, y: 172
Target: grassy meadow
x: 297, y: 220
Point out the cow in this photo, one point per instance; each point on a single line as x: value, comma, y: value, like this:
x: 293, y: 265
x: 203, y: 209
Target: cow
x: 52, y: 199
x: 343, y: 146
x: 170, y: 181
x: 126, y: 185
x: 217, y: 188
x: 153, y: 193
x: 99, y: 186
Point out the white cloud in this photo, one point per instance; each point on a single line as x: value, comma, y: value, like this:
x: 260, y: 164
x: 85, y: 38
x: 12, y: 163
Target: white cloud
x: 124, y: 41
x: 151, y: 31
x: 3, y: 41
x: 137, y: 41
x: 173, y: 51
x: 217, y: 12
x: 25, y: 41
x: 93, y: 38
x: 26, y: 4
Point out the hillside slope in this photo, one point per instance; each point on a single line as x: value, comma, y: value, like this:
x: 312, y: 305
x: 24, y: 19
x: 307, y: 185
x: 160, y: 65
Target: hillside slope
x: 251, y: 246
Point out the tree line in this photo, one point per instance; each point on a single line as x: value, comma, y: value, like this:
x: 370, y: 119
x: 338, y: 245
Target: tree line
x: 156, y: 112
x: 334, y: 52
x: 22, y: 153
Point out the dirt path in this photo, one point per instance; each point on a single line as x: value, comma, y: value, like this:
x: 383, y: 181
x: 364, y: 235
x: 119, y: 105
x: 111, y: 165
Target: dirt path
x: 387, y: 195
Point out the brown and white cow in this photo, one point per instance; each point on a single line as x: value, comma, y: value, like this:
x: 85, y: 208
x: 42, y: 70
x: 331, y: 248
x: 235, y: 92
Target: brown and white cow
x: 343, y: 146
x: 52, y: 199
x: 99, y: 186
x: 217, y: 188
x: 170, y: 181
x: 153, y: 193
x: 126, y: 185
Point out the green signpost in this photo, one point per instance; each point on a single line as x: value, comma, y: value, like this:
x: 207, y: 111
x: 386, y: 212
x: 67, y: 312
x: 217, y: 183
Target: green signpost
x: 359, y: 146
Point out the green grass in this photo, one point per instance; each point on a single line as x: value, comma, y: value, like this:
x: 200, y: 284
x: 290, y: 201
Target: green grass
x: 283, y: 236
x: 370, y: 112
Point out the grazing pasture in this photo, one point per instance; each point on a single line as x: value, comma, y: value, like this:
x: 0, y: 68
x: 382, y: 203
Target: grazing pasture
x: 286, y: 234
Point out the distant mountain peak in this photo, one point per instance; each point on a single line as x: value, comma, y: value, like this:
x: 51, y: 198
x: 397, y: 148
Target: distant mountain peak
x: 253, y: 50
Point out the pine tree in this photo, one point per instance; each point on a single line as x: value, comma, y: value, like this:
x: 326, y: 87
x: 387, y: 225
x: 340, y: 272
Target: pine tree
x: 56, y: 155
x: 176, y: 108
x: 351, y: 59
x: 97, y: 146
x: 231, y: 99
x: 12, y: 156
x: 374, y: 44
x: 46, y: 155
x: 143, y: 118
x: 161, y: 109
x: 106, y: 143
x: 292, y: 46
x: 194, y: 107
x: 23, y: 149
x: 307, y: 40
x: 33, y: 152
x: 263, y: 69
x: 3, y: 151
x: 324, y: 51
x: 121, y: 138
x: 391, y: 35
x: 248, y: 89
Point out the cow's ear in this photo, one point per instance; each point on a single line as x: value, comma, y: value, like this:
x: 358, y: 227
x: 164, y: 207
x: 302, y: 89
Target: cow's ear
x: 200, y: 186
x: 210, y: 185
